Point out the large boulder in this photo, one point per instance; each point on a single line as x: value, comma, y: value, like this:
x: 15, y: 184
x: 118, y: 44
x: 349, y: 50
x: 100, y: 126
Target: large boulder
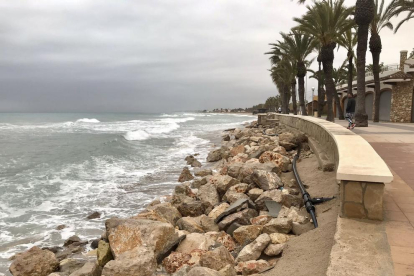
x: 34, y: 262
x: 214, y: 155
x: 203, y: 271
x: 223, y: 183
x: 217, y: 259
x: 195, y: 241
x: 67, y: 266
x: 185, y: 175
x: 279, y: 238
x: 198, y: 182
x: 203, y: 172
x: 266, y: 180
x: 234, y: 169
x: 199, y: 224
x: 255, y: 193
x: 175, y: 261
x: 253, y: 250
x: 281, y: 161
x: 247, y: 234
x: 218, y: 210
x: 139, y: 261
x: 89, y: 269
x: 127, y: 234
x: 274, y: 249
x: 278, y: 225
x: 242, y: 217
x: 166, y: 211
x: 273, y: 195
x: 183, y: 189
x: 228, y: 270
x: 236, y: 150
x: 250, y: 166
x: 251, y: 267
x: 192, y: 208
x: 104, y: 253
x: 223, y: 238
x: 208, y: 193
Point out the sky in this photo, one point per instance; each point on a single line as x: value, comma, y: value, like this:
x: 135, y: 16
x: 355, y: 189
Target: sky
x: 147, y: 55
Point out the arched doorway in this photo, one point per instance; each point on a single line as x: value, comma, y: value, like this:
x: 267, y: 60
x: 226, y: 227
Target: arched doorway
x: 385, y: 105
x: 369, y: 102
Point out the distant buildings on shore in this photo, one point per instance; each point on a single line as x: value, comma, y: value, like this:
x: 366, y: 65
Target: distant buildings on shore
x: 228, y: 110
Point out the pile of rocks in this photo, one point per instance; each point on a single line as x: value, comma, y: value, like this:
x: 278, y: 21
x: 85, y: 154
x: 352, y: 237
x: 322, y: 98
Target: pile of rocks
x: 215, y: 223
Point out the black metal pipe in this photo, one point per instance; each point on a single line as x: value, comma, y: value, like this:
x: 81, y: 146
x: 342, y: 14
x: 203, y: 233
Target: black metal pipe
x: 310, y: 208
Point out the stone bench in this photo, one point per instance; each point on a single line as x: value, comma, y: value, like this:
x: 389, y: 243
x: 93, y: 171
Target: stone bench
x: 360, y: 171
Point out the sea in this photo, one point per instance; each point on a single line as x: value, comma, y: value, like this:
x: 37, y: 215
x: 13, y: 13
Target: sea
x: 56, y: 169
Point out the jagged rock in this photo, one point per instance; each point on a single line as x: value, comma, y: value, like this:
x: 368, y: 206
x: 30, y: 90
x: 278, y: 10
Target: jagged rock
x: 281, y: 161
x: 266, y: 180
x: 67, y: 266
x: 278, y: 225
x: 183, y: 189
x: 197, y: 183
x: 214, y: 155
x: 185, y: 175
x: 274, y: 249
x: 208, y: 193
x: 300, y: 228
x: 71, y: 240
x: 94, y: 243
x: 203, y: 271
x: 234, y: 169
x: 89, y: 269
x: 208, y: 223
x: 34, y: 262
x: 94, y: 215
x: 232, y: 196
x: 226, y: 240
x: 280, y: 150
x: 261, y: 220
x: 182, y: 271
x: 279, y: 238
x: 150, y: 215
x: 104, y: 253
x: 251, y: 267
x: 223, y: 183
x: 255, y: 193
x: 190, y: 224
x: 289, y: 200
x: 195, y: 241
x: 189, y: 159
x: 139, y: 261
x: 167, y: 211
x: 275, y: 195
x: 253, y: 250
x: 226, y: 137
x: 60, y: 227
x: 126, y: 234
x: 217, y: 259
x: 192, y: 209
x: 203, y: 172
x: 247, y: 234
x: 195, y: 163
x: 228, y: 270
x: 236, y: 150
x: 236, y: 192
x: 242, y: 217
x: 218, y: 210
x: 175, y: 261
x: 251, y: 165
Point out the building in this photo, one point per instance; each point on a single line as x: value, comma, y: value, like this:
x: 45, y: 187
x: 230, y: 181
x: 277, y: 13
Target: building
x: 397, y: 88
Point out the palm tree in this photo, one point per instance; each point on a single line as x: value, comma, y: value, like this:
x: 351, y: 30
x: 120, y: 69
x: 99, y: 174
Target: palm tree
x: 381, y: 20
x: 318, y: 75
x: 349, y: 40
x: 326, y: 21
x: 400, y: 6
x: 297, y: 47
x: 281, y: 74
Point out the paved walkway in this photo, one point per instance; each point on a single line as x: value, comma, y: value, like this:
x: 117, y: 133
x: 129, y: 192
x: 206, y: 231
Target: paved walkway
x: 395, y: 144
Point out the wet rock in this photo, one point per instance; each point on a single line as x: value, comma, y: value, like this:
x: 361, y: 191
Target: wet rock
x: 94, y: 243
x: 251, y: 267
x: 139, y: 261
x: 94, y: 215
x: 127, y: 234
x: 185, y: 175
x: 266, y: 180
x: 195, y: 241
x: 217, y: 259
x: 104, y: 254
x: 67, y: 266
x: 197, y: 183
x: 203, y: 271
x: 226, y: 137
x: 189, y: 159
x: 247, y: 234
x: 278, y: 225
x: 243, y: 217
x: 214, y: 155
x: 203, y: 172
x: 261, y: 220
x: 208, y: 193
x: 183, y: 189
x: 223, y: 183
x: 175, y: 261
x: 75, y: 241
x: 89, y: 269
x: 218, y: 210
x: 253, y: 250
x: 274, y: 249
x: 60, y: 227
x: 195, y: 164
x: 255, y: 193
x: 192, y: 209
x: 273, y: 195
x: 34, y: 262
x: 279, y: 238
x: 53, y: 249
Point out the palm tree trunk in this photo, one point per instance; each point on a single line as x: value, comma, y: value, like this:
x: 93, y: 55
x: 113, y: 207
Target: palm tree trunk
x: 321, y: 96
x: 364, y: 13
x: 350, y: 71
x: 295, y: 109
x: 338, y: 105
x: 327, y: 54
x: 302, y: 95
x: 287, y: 98
x: 376, y: 47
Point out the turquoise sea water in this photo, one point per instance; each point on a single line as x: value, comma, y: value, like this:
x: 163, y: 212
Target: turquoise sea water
x: 58, y: 168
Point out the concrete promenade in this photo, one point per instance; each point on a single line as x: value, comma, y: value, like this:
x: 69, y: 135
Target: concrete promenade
x: 395, y: 144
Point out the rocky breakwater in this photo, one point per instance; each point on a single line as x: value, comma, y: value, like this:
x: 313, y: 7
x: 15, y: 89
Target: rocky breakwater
x: 216, y: 222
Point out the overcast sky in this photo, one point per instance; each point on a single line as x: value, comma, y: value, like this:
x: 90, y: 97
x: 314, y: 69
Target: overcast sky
x: 146, y: 55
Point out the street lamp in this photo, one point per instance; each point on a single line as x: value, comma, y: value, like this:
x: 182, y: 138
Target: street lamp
x: 313, y: 90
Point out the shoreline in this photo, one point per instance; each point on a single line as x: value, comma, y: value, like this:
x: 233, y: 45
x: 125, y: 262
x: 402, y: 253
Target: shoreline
x: 189, y: 215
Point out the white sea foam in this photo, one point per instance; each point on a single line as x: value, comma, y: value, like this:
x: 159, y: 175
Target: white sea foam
x: 86, y: 120
x: 136, y: 135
